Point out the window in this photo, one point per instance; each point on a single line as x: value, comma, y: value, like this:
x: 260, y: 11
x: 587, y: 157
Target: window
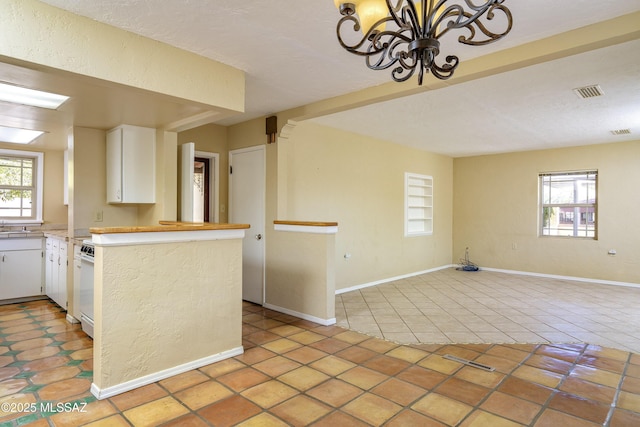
x: 418, y: 210
x: 568, y: 204
x: 20, y: 186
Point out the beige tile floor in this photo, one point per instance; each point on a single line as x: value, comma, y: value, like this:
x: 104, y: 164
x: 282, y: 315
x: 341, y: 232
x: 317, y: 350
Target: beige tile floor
x: 451, y: 306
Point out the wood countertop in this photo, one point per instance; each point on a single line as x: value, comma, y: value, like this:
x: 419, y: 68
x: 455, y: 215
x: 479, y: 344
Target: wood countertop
x: 307, y: 223
x: 169, y: 226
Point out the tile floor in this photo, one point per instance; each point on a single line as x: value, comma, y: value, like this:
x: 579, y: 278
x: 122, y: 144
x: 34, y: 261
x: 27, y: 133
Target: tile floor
x: 450, y: 306
x: 298, y: 373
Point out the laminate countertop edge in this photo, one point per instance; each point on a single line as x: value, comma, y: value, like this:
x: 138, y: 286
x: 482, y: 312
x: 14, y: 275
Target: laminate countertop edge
x: 307, y: 223
x: 166, y: 226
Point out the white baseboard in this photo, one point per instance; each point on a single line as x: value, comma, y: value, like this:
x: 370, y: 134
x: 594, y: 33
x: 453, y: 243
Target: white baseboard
x: 560, y: 277
x: 324, y: 322
x: 391, y: 279
x: 72, y: 319
x: 161, y: 375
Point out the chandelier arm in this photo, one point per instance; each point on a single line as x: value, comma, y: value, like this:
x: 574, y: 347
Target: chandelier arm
x: 443, y: 72
x: 356, y: 28
x: 491, y: 36
x: 455, y: 17
x: 395, y: 12
x: 392, y: 54
x: 400, y: 70
x: 409, y: 18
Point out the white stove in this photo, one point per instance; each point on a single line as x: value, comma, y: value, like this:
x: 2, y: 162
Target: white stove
x: 86, y: 287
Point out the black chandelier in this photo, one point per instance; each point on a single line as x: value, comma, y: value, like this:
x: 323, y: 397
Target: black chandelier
x: 405, y: 34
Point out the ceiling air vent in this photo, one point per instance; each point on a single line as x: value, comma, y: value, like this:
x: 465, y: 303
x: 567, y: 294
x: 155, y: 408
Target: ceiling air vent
x: 589, y: 91
x: 621, y: 132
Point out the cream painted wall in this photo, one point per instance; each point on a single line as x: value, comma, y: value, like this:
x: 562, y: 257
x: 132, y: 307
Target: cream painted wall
x: 496, y: 210
x: 213, y: 139
x: 166, y: 206
x: 55, y: 211
x: 36, y: 32
x: 359, y: 182
x: 90, y: 184
x: 300, y: 274
x: 247, y: 134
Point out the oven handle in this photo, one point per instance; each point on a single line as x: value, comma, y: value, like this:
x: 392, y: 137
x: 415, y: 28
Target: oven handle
x: 86, y: 258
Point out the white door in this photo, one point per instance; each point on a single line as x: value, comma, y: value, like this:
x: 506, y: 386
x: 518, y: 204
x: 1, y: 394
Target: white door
x: 246, y: 206
x: 192, y: 207
x: 186, y: 181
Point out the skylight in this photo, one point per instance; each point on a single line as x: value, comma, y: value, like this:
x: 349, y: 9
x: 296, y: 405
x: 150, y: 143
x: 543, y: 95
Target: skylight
x: 18, y: 136
x: 35, y: 98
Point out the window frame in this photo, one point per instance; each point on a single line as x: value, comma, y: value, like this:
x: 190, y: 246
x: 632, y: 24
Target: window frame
x: 575, y: 205
x: 38, y: 186
x: 410, y: 209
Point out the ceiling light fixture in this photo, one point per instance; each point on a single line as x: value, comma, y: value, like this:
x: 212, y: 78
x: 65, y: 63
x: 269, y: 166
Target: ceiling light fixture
x: 32, y: 97
x: 405, y: 34
x: 18, y: 136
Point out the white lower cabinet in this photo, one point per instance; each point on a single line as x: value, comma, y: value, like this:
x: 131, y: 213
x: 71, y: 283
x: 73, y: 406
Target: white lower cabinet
x: 21, y: 272
x: 56, y: 262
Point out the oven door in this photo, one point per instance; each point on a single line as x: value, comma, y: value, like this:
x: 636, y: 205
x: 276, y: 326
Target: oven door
x: 86, y: 294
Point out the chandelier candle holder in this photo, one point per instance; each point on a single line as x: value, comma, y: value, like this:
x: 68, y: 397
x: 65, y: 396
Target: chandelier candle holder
x: 405, y: 34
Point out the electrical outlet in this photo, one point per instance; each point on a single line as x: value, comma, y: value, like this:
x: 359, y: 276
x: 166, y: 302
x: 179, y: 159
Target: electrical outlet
x: 97, y: 216
x: 223, y: 208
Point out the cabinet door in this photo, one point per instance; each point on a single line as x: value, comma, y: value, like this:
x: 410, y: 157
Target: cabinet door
x: 61, y: 294
x: 20, y: 273
x: 48, y: 269
x: 138, y: 165
x: 114, y: 166
x: 131, y: 173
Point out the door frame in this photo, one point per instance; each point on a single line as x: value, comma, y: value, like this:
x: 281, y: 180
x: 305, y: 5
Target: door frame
x: 214, y: 183
x: 261, y: 148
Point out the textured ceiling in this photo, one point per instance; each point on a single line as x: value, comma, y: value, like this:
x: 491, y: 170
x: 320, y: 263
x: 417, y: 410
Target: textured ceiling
x: 291, y: 57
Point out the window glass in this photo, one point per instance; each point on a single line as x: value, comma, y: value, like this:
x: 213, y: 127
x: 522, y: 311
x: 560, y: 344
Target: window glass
x: 20, y: 196
x: 568, y: 204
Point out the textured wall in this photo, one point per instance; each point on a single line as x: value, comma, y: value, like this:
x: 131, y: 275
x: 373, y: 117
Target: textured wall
x: 496, y: 212
x: 300, y: 273
x: 162, y: 305
x: 359, y: 182
x: 35, y: 32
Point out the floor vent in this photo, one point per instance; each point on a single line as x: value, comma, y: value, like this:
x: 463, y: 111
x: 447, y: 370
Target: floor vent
x: 621, y: 132
x: 588, y: 91
x: 469, y: 363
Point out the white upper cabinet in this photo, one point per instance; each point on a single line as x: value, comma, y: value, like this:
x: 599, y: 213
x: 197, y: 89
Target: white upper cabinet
x: 131, y: 166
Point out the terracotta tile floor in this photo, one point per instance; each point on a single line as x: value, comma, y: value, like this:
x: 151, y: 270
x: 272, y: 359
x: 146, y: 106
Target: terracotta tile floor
x: 297, y: 373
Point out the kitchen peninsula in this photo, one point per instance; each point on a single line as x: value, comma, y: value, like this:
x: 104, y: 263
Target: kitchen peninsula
x: 168, y: 299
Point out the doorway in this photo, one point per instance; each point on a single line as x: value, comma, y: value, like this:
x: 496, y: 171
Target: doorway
x: 199, y: 185
x: 247, y: 191
x: 201, y: 192
x: 208, y: 206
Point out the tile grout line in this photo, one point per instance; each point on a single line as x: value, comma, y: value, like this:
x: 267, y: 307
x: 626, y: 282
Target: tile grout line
x: 614, y: 403
x: 495, y: 388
